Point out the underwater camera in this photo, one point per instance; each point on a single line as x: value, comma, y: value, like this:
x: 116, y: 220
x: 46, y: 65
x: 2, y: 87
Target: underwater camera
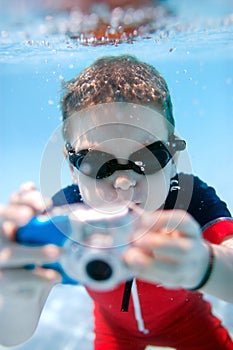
x: 92, y: 243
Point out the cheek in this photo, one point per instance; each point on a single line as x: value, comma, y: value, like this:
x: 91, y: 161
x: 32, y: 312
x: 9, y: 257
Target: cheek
x: 94, y: 193
x: 158, y: 186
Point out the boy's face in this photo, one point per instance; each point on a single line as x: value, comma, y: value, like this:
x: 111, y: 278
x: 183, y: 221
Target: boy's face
x: 120, y: 130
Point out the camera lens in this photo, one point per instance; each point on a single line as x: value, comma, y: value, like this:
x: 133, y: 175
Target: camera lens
x: 99, y: 270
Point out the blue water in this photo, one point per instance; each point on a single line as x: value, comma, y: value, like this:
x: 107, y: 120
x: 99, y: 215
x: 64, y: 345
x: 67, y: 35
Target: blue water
x: 193, y: 51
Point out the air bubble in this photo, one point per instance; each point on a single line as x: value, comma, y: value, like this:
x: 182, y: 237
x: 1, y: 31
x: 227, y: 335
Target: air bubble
x: 172, y: 49
x: 4, y: 34
x: 139, y: 163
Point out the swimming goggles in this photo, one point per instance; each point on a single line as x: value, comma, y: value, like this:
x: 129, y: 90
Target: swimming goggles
x: 99, y: 165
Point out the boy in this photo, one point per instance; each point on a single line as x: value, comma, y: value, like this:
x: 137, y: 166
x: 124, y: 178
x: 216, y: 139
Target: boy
x: 121, y: 147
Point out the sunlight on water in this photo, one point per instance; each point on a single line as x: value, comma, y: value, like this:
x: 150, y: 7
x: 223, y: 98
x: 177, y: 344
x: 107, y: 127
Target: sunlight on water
x: 32, y: 35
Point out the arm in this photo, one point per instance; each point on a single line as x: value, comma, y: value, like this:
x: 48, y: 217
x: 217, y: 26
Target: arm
x: 220, y: 283
x: 23, y: 292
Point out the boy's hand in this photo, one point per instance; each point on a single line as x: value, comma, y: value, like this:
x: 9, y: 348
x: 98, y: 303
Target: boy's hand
x: 171, y: 253
x: 23, y: 292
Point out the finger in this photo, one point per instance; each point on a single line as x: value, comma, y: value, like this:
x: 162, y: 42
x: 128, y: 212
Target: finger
x: 33, y: 199
x: 169, y: 221
x: 152, y: 269
x: 17, y: 214
x: 137, y: 258
x: 181, y: 221
x: 7, y: 231
x: 15, y: 255
x: 27, y: 186
x: 165, y: 247
x: 177, y: 248
x: 48, y: 274
x: 140, y: 258
x: 21, y: 283
x: 167, y: 274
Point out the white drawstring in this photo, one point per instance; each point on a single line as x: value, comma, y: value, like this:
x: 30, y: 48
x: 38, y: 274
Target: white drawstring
x: 137, y: 309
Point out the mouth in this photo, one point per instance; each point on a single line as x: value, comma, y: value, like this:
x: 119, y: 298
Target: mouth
x: 137, y: 204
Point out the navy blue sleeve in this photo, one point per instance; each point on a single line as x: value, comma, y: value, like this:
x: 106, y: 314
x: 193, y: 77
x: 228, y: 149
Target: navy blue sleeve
x: 205, y: 205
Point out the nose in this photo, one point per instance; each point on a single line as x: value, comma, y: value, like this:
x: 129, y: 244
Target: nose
x: 124, y: 182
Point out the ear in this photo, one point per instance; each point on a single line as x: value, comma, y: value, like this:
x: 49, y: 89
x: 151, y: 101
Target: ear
x: 175, y: 159
x: 74, y: 178
x: 65, y: 152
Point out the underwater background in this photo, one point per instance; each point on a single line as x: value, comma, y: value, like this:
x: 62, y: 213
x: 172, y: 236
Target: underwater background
x: 192, y: 47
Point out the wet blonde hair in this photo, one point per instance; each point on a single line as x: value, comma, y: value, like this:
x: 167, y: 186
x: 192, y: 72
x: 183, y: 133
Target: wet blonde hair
x: 118, y: 79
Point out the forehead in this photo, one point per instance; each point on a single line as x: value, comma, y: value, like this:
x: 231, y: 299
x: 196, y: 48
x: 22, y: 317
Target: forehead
x: 115, y: 121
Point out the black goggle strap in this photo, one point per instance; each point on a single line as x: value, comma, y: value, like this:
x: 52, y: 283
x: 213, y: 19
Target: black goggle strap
x: 70, y: 149
x: 73, y: 156
x: 175, y: 144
